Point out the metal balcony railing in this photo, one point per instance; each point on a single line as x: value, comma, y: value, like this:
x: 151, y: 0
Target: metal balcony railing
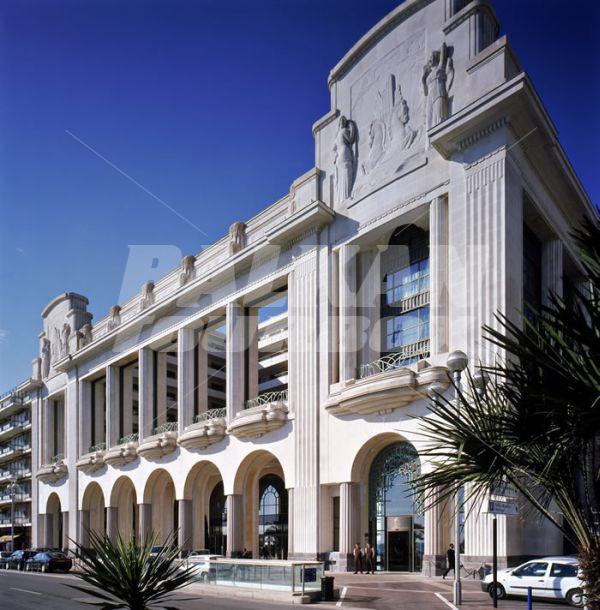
x: 97, y: 447
x: 267, y: 398
x: 170, y: 426
x: 210, y: 414
x: 59, y: 457
x: 130, y: 438
x: 398, y: 360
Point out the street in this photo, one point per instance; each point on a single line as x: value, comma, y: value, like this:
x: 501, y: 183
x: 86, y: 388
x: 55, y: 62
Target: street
x: 24, y: 591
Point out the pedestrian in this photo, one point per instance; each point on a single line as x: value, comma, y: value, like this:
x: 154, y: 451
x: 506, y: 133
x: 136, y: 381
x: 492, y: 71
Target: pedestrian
x: 369, y: 558
x: 450, y: 559
x: 358, y: 558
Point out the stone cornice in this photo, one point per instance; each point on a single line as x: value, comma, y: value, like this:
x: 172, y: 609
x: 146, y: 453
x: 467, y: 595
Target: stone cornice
x: 476, y: 6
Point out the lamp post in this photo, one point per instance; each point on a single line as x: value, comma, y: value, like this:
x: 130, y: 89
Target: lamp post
x: 457, y: 363
x: 12, y: 487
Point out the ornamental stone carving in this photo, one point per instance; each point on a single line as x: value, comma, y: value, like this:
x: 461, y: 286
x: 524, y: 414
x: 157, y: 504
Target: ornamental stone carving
x: 187, y: 270
x: 84, y: 336
x: 344, y: 158
x: 46, y: 357
x: 115, y: 317
x: 237, y: 237
x: 438, y: 77
x: 147, y: 295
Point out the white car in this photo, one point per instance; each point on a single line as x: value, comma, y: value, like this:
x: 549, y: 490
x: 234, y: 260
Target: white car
x: 548, y: 577
x: 200, y: 562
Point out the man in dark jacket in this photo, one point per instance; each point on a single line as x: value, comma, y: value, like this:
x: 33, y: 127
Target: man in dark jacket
x: 450, y: 558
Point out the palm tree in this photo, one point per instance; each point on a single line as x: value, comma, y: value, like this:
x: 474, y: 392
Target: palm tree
x: 536, y: 423
x: 128, y: 575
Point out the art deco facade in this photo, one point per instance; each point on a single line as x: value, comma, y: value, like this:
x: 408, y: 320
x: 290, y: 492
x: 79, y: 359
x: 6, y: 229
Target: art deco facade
x: 263, y: 395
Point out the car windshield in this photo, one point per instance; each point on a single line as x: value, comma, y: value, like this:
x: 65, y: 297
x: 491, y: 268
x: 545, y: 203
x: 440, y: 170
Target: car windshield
x: 563, y: 570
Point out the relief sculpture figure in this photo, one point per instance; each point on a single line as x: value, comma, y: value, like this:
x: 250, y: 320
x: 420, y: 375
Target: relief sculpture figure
x: 344, y: 158
x: 438, y: 76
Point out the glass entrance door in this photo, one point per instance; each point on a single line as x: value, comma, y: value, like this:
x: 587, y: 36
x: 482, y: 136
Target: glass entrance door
x: 399, y: 555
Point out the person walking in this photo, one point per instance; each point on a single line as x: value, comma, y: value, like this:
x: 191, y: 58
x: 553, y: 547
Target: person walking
x: 358, y: 558
x: 450, y: 559
x: 369, y: 558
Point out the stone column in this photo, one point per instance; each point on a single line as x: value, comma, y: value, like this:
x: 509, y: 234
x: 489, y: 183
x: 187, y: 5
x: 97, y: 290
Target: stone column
x: 127, y: 406
x: 146, y: 391
x: 84, y: 528
x: 100, y: 413
x: 369, y: 299
x: 85, y: 417
x: 145, y: 521
x: 290, y: 551
x: 185, y: 540
x: 47, y: 432
x: 186, y: 344
x: 438, y: 274
x: 202, y: 371
x: 235, y: 348
x: 349, y: 522
x: 161, y: 390
x: 552, y: 270
x: 112, y: 523
x: 112, y: 406
x: 347, y: 312
x: 252, y: 343
x: 433, y: 560
x: 48, y: 530
x: 235, y: 524
x: 65, y: 543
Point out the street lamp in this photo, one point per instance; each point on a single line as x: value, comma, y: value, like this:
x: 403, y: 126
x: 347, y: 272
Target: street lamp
x: 13, y: 490
x: 480, y: 379
x: 457, y: 363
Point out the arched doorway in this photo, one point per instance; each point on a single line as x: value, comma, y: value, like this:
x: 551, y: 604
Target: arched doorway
x: 94, y: 515
x: 54, y: 522
x: 396, y: 523
x: 272, y: 518
x: 160, y: 494
x: 204, y: 488
x: 123, y: 499
x: 260, y: 487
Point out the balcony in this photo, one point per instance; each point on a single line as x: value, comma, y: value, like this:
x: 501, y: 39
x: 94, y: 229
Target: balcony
x: 10, y: 451
x: 384, y: 385
x: 124, y: 452
x: 208, y: 428
x: 53, y: 472
x: 262, y: 414
x: 13, y: 426
x: 11, y: 404
x: 162, y: 442
x: 24, y: 496
x: 92, y: 460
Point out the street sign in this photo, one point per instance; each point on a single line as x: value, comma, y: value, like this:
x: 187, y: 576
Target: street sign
x: 502, y: 508
x: 505, y: 490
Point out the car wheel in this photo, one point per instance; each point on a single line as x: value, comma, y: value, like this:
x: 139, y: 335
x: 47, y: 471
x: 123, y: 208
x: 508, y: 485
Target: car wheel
x: 575, y: 598
x: 500, y: 591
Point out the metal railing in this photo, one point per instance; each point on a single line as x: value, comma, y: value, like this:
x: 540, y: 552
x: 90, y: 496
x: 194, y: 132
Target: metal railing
x: 267, y: 398
x: 394, y: 361
x: 130, y: 438
x: 210, y: 414
x: 59, y: 457
x: 97, y: 447
x: 170, y: 426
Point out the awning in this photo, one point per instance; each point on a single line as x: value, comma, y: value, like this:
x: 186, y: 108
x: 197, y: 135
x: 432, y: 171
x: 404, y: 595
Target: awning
x: 8, y: 538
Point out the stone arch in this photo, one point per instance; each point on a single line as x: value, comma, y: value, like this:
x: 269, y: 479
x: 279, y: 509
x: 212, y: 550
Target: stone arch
x: 159, y: 494
x: 253, y: 468
x: 200, y: 483
x: 122, y: 512
x: 93, y: 514
x: 55, y: 533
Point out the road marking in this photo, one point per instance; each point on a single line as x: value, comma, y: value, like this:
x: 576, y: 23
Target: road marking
x: 440, y: 596
x: 342, y: 595
x: 25, y: 590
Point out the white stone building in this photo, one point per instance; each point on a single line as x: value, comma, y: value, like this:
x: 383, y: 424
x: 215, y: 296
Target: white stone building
x: 263, y: 395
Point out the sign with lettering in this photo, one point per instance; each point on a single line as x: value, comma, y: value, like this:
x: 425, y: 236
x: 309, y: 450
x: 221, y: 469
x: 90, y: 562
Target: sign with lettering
x: 498, y: 507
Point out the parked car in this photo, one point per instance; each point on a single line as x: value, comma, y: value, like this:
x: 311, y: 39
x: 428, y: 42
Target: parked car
x: 49, y: 561
x: 200, y: 562
x: 4, y: 555
x: 17, y: 559
x: 549, y: 578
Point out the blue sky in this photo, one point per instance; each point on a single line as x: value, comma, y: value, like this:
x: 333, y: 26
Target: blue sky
x: 208, y: 105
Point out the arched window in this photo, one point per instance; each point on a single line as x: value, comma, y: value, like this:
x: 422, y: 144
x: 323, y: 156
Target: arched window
x: 272, y: 518
x: 405, y: 295
x: 217, y: 525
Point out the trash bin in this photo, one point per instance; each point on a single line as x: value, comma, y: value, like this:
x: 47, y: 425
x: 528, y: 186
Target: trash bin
x: 327, y: 588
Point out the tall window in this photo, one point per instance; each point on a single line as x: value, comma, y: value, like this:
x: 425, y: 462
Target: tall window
x: 272, y: 518
x: 532, y: 273
x: 405, y: 295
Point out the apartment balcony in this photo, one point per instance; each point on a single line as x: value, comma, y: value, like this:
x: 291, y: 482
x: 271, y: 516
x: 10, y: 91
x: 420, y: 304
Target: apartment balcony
x: 20, y: 497
x: 92, y: 460
x: 8, y: 474
x: 162, y: 442
x: 262, y: 414
x: 11, y: 404
x: 10, y: 452
x: 124, y: 452
x: 14, y: 426
x: 384, y: 385
x: 53, y: 472
x: 208, y: 428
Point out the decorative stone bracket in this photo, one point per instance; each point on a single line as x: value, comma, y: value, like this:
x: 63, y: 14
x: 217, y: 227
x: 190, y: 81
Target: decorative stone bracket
x: 209, y: 428
x: 156, y: 446
x: 255, y: 422
x: 90, y: 462
x: 51, y: 473
x: 121, y: 454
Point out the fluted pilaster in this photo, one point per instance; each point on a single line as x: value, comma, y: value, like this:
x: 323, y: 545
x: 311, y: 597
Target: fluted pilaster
x: 235, y: 524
